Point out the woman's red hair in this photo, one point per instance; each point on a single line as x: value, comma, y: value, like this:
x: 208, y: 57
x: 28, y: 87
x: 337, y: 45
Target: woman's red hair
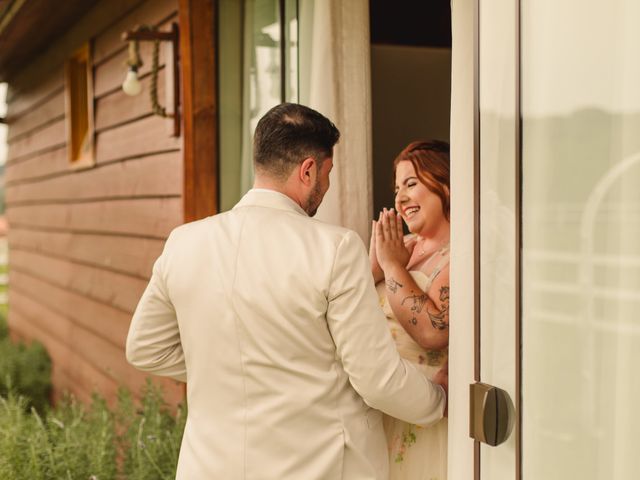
x: 431, y: 162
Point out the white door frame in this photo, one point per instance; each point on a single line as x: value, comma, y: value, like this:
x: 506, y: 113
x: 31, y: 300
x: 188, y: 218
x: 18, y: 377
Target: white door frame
x: 461, y: 338
x: 464, y: 343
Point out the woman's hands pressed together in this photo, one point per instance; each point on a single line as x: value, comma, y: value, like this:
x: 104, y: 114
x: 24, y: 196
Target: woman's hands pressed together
x: 388, y: 243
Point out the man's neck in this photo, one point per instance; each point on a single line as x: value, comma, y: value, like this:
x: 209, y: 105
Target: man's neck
x: 284, y: 188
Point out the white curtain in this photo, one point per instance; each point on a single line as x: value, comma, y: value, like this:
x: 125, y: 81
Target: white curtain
x: 335, y: 79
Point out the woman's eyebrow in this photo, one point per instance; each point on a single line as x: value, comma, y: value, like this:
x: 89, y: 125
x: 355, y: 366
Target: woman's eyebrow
x: 404, y: 182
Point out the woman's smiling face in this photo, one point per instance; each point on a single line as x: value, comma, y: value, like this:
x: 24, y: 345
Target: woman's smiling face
x: 420, y: 208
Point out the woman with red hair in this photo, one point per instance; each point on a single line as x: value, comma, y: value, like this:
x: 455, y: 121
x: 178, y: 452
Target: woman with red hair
x: 412, y: 277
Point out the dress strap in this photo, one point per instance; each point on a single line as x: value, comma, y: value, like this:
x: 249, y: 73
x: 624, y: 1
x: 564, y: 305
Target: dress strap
x: 444, y: 260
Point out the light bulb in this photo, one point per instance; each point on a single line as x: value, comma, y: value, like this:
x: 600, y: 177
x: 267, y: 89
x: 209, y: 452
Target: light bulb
x: 131, y: 85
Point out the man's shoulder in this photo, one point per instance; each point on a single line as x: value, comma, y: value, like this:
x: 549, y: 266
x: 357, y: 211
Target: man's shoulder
x: 337, y: 237
x: 317, y: 229
x: 196, y: 227
x: 329, y: 231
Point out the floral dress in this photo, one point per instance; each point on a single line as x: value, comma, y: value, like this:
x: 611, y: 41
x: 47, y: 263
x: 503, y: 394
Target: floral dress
x: 416, y: 453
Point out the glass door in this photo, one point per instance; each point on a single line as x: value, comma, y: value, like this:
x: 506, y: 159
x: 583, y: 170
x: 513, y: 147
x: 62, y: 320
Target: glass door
x: 498, y: 211
x: 559, y: 234
x: 581, y: 239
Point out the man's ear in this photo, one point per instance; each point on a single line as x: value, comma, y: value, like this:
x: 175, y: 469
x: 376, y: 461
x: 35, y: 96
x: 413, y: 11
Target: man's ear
x: 308, y: 171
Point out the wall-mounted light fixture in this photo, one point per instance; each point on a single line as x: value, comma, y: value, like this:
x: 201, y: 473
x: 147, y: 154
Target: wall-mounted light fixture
x: 132, y: 85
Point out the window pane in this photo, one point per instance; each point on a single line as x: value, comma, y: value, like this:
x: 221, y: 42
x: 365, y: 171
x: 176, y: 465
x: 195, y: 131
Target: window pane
x: 252, y: 80
x: 581, y: 248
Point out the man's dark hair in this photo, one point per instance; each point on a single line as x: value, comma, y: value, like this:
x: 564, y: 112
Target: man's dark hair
x: 289, y: 133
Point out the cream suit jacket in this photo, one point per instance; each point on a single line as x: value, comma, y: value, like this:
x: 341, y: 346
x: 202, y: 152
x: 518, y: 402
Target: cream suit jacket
x: 272, y: 319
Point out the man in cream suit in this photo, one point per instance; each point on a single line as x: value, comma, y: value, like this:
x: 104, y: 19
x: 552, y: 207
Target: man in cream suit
x: 272, y: 319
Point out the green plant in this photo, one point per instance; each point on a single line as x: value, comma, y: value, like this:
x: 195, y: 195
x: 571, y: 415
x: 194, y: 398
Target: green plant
x: 24, y: 368
x: 15, y: 427
x: 151, y: 436
x: 82, y: 440
x: 73, y: 441
x: 4, y: 328
x: 70, y: 442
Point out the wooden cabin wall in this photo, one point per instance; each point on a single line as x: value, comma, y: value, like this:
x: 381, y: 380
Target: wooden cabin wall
x: 82, y: 243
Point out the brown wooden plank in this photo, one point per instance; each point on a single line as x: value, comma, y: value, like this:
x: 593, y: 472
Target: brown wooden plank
x: 134, y: 256
x: 23, y: 99
x: 102, y: 320
x: 120, y: 291
x: 153, y: 217
x: 59, y: 353
x: 200, y: 106
x: 109, y: 75
x: 37, y: 117
x: 157, y: 175
x: 102, y: 354
x: 150, y: 12
x: 53, y: 135
x: 90, y: 361
x: 51, y: 161
x: 86, y: 327
x: 70, y: 372
x: 146, y: 136
x: 117, y: 107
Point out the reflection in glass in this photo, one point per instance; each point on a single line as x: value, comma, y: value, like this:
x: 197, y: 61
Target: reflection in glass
x: 497, y: 216
x: 581, y: 239
x: 252, y: 80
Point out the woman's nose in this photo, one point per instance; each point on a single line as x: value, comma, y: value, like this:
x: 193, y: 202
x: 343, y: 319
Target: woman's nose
x: 401, y: 198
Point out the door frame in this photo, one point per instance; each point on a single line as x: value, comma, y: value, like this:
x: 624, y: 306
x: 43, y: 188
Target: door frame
x: 199, y: 70
x: 465, y: 337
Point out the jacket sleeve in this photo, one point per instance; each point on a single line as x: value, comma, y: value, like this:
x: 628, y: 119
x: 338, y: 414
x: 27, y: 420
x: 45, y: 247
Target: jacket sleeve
x: 364, y: 344
x: 153, y: 343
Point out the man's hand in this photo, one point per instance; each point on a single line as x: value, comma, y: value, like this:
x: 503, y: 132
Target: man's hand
x: 442, y: 378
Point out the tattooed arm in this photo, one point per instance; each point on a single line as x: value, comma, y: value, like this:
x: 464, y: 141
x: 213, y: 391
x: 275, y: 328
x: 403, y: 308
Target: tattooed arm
x: 424, y: 315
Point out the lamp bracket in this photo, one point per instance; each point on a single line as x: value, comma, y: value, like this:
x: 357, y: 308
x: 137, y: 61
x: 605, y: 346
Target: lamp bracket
x: 143, y: 34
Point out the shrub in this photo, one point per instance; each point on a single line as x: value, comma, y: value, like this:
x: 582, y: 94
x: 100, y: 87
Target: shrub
x: 70, y: 442
x: 152, y: 436
x: 74, y: 441
x: 25, y: 369
x: 93, y: 443
x: 4, y: 328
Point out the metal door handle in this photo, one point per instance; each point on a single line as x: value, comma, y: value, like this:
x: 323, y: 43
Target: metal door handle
x: 492, y: 413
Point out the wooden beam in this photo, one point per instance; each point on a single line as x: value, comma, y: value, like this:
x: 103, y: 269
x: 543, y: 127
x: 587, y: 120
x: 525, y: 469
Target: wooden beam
x: 198, y: 49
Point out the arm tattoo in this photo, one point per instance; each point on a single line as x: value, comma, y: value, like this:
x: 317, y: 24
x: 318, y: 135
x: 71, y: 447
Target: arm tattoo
x: 439, y: 317
x: 417, y: 303
x: 393, y: 285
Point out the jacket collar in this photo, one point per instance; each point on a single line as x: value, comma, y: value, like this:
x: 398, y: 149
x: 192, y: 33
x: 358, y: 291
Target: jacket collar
x: 261, y: 197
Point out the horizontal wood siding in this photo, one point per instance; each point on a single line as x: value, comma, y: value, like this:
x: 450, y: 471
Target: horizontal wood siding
x: 83, y: 242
